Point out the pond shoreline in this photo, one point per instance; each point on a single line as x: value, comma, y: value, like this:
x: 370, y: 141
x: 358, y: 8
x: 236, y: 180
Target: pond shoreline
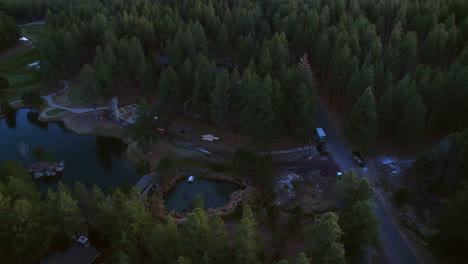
x: 106, y: 158
x: 245, y: 194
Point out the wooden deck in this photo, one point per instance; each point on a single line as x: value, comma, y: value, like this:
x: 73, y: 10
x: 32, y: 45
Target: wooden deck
x: 145, y: 184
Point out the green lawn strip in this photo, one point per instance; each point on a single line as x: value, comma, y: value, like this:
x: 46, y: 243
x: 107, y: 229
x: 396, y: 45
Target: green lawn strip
x: 78, y: 94
x: 54, y: 111
x: 188, y: 163
x: 14, y: 94
x: 19, y: 61
x: 21, y: 79
x: 33, y: 32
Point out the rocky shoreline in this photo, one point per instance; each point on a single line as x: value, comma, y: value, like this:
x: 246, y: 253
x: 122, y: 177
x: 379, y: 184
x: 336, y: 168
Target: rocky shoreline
x: 246, y: 194
x: 46, y: 169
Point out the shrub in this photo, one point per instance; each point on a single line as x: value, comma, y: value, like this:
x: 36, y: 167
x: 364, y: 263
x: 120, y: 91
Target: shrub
x: 244, y: 160
x: 401, y: 197
x: 237, y: 213
x: 42, y: 154
x: 165, y: 167
x: 6, y: 108
x: 4, y: 84
x: 273, y: 213
x: 219, y: 166
x: 126, y: 187
x: 143, y: 167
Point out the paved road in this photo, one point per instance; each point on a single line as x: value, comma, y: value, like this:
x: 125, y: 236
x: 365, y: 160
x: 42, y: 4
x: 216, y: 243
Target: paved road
x: 396, y: 251
x: 51, y: 102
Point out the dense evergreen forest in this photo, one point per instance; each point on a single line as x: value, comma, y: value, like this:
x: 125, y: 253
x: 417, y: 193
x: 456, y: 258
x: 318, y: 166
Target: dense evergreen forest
x: 413, y: 55
x: 397, y: 68
x: 9, y: 32
x: 122, y: 226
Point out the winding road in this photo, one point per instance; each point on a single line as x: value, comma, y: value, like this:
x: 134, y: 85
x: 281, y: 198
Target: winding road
x: 50, y: 102
x: 396, y: 251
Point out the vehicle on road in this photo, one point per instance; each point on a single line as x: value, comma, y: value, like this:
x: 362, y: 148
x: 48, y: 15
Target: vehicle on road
x: 358, y: 158
x: 321, y: 149
x: 162, y: 131
x: 320, y: 136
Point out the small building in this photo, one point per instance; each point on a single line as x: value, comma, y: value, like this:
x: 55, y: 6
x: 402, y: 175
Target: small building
x: 80, y: 252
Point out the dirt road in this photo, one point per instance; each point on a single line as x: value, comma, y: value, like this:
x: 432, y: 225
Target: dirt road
x: 66, y: 86
x: 396, y: 251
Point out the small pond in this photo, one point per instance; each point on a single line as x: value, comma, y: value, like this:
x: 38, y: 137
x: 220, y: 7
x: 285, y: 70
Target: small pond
x: 90, y: 159
x: 215, y: 194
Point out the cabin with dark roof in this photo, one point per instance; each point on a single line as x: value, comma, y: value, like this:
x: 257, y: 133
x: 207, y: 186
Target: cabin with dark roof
x: 80, y: 252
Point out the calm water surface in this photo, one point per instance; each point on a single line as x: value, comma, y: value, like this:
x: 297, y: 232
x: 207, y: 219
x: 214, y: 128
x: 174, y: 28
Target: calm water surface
x: 90, y: 159
x: 215, y: 194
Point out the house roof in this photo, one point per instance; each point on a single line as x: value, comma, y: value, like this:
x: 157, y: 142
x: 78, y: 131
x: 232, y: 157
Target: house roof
x: 75, y: 254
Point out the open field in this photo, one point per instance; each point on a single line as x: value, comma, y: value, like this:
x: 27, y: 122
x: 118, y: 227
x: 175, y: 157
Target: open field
x: 22, y: 68
x: 33, y: 32
x: 78, y: 94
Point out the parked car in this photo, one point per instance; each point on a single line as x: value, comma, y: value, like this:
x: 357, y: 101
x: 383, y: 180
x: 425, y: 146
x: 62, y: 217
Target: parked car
x: 321, y: 148
x: 162, y: 131
x: 358, y: 158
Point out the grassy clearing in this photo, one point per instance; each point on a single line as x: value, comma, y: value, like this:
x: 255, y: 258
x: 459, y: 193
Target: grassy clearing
x: 20, y: 61
x: 78, y: 94
x: 33, y: 32
x: 114, y: 131
x: 54, y: 112
x: 190, y: 163
x: 22, y: 77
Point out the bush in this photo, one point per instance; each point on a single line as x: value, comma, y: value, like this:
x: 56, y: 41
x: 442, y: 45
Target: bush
x: 295, y: 218
x: 219, y: 166
x: 44, y: 155
x: 6, y: 108
x: 264, y: 169
x: 143, y: 167
x: 126, y: 187
x: 401, y: 197
x: 165, y: 167
x: 245, y: 160
x: 4, y: 84
x: 237, y: 213
x: 273, y: 213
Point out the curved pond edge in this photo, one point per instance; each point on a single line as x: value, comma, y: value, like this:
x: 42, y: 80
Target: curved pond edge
x: 246, y: 194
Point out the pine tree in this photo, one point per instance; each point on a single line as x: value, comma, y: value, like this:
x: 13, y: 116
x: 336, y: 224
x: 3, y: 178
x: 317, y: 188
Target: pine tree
x: 411, y: 123
x: 324, y: 240
x: 164, y: 242
x: 217, y: 248
x: 408, y: 51
x: 264, y: 66
x: 220, y: 98
x: 144, y: 128
x: 387, y: 112
x: 185, y: 81
x: 361, y: 230
x: 167, y: 94
x: 350, y: 189
x: 246, y: 243
x: 196, y: 234
x: 64, y: 211
x: 362, y: 126
x: 223, y: 42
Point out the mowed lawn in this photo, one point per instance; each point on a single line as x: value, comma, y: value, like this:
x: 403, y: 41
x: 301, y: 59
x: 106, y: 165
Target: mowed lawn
x: 16, y: 69
x: 33, y: 32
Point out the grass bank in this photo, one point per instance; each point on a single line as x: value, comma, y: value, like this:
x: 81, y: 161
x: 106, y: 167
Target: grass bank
x: 23, y: 68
